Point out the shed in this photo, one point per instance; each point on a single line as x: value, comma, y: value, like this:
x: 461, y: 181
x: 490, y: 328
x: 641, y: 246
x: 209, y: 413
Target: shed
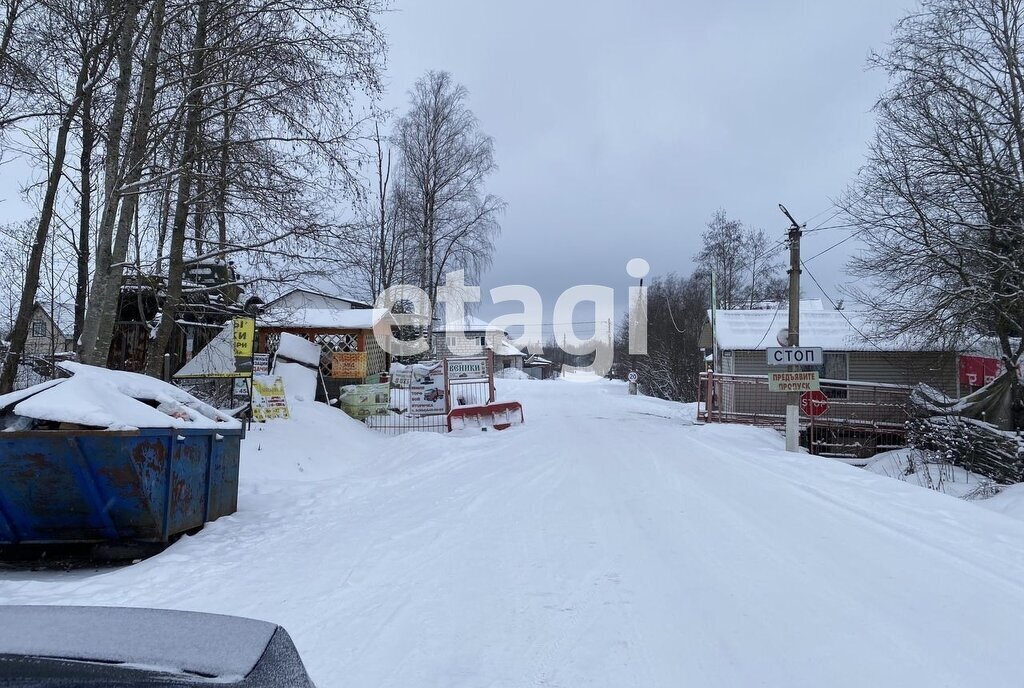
x: 350, y: 352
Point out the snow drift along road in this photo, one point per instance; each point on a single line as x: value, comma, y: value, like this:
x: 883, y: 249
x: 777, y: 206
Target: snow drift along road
x: 607, y: 542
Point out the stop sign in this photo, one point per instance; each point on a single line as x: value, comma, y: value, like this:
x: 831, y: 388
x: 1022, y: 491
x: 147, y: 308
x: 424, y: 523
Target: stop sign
x: 813, y: 403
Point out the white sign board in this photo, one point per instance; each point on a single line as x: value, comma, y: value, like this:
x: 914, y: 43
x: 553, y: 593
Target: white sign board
x: 793, y: 382
x: 467, y: 369
x: 632, y: 376
x: 261, y: 364
x: 427, y: 397
x: 794, y: 355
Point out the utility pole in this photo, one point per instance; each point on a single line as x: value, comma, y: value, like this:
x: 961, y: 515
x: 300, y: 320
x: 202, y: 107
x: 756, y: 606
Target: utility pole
x: 793, y: 338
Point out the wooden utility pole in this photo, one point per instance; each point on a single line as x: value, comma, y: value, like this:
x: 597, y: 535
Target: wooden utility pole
x: 793, y: 337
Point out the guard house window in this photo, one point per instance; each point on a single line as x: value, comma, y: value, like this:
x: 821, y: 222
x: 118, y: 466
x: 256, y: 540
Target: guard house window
x: 38, y: 328
x: 836, y: 367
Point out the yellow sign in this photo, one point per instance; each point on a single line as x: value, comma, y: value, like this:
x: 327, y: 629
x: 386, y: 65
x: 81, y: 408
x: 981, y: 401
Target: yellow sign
x: 793, y: 382
x: 245, y: 332
x: 349, y: 365
x: 268, y: 400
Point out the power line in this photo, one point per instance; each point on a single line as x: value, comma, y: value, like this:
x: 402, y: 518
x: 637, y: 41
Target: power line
x: 778, y: 308
x: 817, y: 215
x: 838, y: 243
x: 831, y: 217
x: 848, y: 225
x: 856, y: 329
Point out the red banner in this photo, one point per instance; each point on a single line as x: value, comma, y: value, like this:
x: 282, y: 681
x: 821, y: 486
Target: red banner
x: 978, y: 371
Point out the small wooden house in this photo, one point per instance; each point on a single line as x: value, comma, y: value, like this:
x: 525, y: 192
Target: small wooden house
x: 347, y: 337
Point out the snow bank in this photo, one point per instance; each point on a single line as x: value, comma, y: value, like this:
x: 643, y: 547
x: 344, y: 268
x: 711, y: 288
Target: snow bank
x: 1009, y: 501
x: 513, y: 374
x: 948, y: 479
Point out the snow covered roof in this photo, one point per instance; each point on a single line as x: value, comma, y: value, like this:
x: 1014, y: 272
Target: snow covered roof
x: 805, y: 305
x: 832, y: 330
x: 505, y: 348
x: 336, y: 297
x: 467, y: 324
x: 115, y: 400
x: 325, y: 318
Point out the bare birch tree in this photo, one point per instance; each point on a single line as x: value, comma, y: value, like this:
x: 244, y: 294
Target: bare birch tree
x: 446, y: 160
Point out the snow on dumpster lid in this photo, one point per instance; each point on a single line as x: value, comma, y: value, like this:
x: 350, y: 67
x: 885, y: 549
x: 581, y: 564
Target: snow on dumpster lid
x: 114, y: 400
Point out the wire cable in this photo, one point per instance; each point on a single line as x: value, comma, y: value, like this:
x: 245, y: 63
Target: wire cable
x: 856, y: 329
x: 778, y: 308
x: 838, y: 243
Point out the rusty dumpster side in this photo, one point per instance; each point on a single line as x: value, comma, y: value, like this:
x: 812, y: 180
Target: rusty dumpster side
x: 95, y: 486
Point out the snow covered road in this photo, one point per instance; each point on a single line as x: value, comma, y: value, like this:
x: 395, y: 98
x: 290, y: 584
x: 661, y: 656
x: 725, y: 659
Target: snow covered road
x: 607, y: 542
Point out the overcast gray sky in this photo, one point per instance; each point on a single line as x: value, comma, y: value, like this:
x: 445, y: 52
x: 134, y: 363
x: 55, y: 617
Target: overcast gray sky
x: 620, y: 127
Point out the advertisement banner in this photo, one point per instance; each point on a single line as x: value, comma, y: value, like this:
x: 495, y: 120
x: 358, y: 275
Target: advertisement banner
x: 261, y: 364
x: 348, y: 365
x: 244, y: 336
x: 426, y: 396
x: 362, y: 401
x: 978, y: 371
x: 268, y: 399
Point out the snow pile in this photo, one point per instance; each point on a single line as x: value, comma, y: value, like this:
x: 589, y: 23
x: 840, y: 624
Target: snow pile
x: 300, y: 378
x: 110, y: 399
x: 955, y: 481
x: 299, y: 381
x: 297, y: 349
x: 513, y: 374
x: 1009, y: 501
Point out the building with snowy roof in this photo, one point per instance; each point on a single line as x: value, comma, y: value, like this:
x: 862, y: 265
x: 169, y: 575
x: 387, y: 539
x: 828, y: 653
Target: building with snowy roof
x: 348, y: 333
x: 470, y: 335
x: 865, y: 380
x: 851, y: 351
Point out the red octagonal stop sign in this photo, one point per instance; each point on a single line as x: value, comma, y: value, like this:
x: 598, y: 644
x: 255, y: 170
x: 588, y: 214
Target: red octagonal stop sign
x: 813, y: 403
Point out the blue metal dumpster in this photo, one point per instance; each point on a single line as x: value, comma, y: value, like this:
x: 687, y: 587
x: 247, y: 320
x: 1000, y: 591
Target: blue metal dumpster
x: 92, y: 486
